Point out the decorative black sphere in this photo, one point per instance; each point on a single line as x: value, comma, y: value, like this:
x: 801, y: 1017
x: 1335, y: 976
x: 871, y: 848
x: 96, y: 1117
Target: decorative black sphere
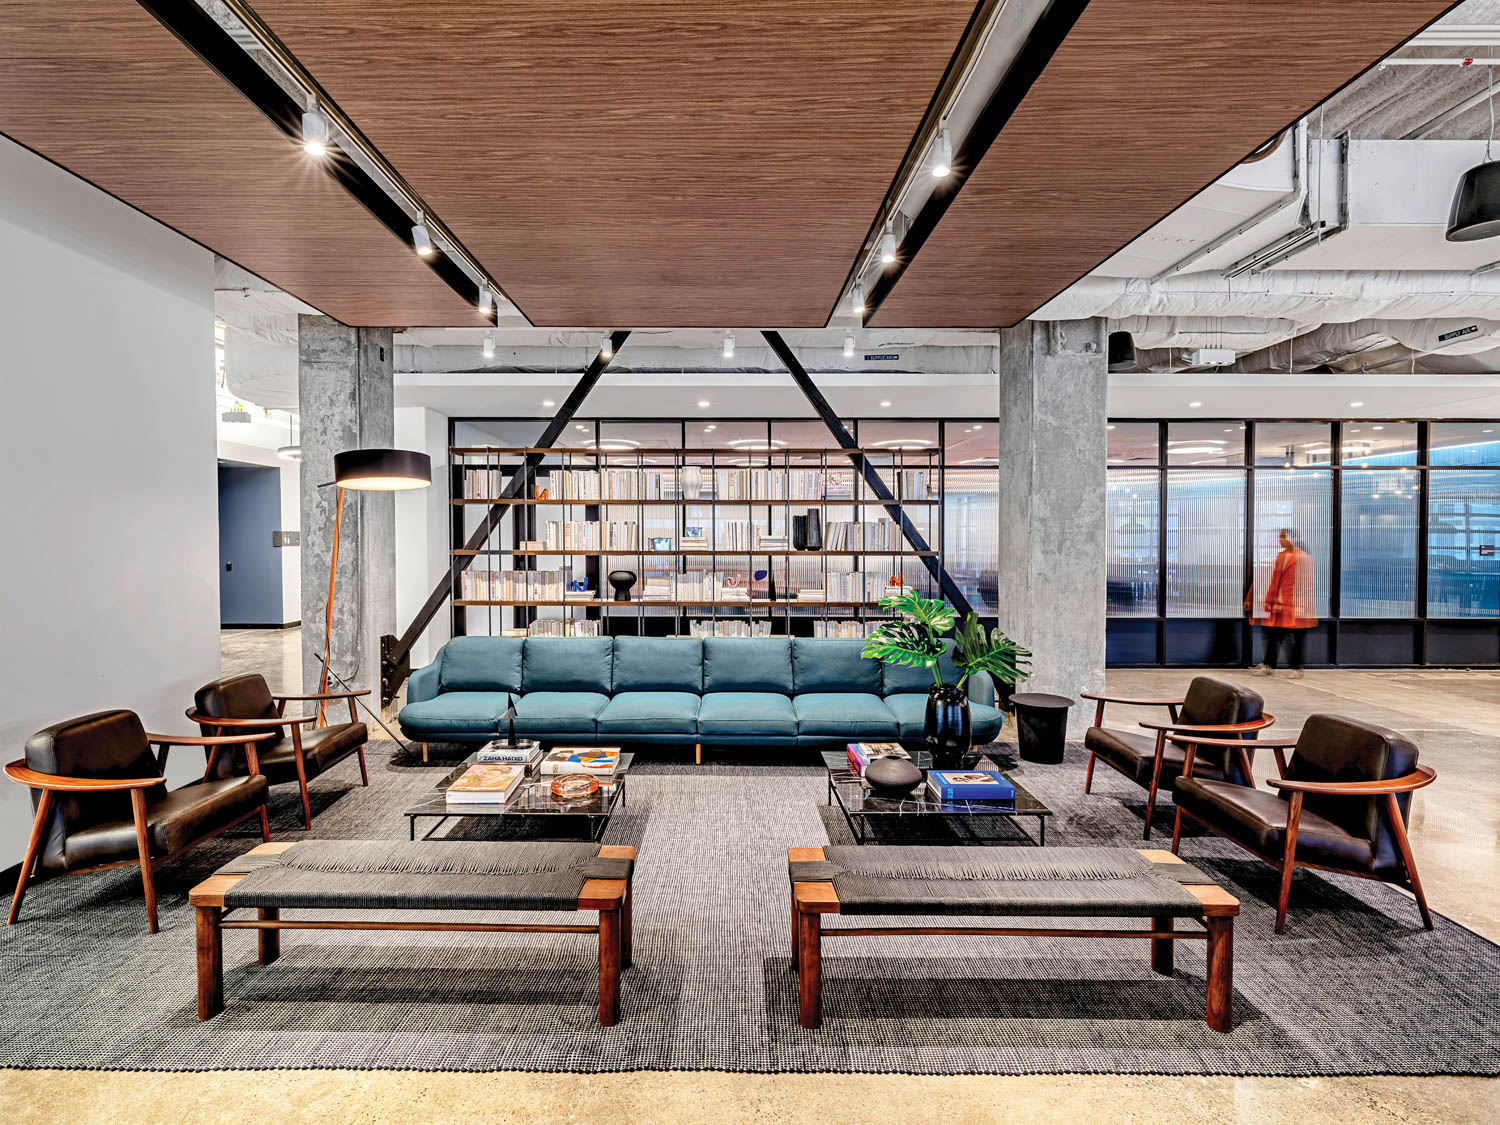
x: 622, y: 581
x: 894, y: 776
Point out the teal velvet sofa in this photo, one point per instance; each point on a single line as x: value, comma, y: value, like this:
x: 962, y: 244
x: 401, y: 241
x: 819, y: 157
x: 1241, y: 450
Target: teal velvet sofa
x: 715, y: 691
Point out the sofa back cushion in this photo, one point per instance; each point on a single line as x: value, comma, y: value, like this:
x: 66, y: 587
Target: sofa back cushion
x: 658, y: 664
x: 568, y: 664
x: 830, y: 664
x: 481, y: 664
x: 748, y: 664
x: 898, y: 679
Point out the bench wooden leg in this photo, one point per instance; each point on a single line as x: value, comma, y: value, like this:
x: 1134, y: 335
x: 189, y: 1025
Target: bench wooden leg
x: 627, y: 942
x: 33, y: 847
x: 1220, y: 973
x: 609, y: 967
x: 210, y: 961
x: 809, y: 969
x: 268, y: 942
x: 795, y: 967
x: 1161, y: 948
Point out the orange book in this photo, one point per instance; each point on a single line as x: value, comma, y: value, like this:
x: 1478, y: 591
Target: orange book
x: 488, y: 783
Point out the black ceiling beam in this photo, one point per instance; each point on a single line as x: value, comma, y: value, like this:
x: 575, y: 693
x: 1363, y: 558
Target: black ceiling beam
x: 951, y: 592
x: 216, y: 47
x: 1042, y: 42
x: 395, y: 652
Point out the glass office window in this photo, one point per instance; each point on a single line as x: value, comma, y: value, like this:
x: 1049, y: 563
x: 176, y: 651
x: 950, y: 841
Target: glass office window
x: 1132, y: 541
x: 971, y: 511
x: 1132, y: 443
x: 1379, y: 444
x: 1301, y: 502
x: 1293, y: 445
x: 1206, y: 443
x: 1463, y: 543
x: 1378, y: 553
x: 1205, y: 543
x: 1464, y: 443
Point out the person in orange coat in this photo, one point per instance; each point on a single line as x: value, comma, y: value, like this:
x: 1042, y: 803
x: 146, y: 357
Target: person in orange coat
x: 1288, y: 605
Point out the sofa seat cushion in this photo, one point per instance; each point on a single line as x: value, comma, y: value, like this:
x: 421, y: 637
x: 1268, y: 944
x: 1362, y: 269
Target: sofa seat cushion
x: 1257, y: 818
x: 746, y: 712
x: 176, y: 820
x: 1134, y: 755
x: 985, y: 721
x: 559, y: 712
x: 650, y: 712
x: 456, y: 712
x: 844, y: 715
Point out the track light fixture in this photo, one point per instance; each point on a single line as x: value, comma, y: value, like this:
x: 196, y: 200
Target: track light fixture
x: 315, y: 130
x: 421, y: 241
x: 486, y: 300
x: 489, y: 346
x: 729, y: 345
x: 857, y: 299
x: 848, y: 345
x: 606, y: 347
x: 888, y: 245
x: 942, y: 154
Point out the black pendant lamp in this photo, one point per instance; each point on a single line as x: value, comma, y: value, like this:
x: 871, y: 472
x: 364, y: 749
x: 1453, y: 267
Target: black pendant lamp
x: 1476, y: 203
x: 382, y: 470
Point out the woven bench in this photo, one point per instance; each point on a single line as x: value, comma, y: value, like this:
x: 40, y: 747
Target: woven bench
x: 390, y: 875
x: 975, y: 882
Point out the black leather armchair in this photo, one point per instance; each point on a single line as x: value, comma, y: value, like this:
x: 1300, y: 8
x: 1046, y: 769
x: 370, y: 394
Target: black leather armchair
x: 100, y: 800
x: 1211, y: 706
x: 1341, y: 804
x: 245, y: 703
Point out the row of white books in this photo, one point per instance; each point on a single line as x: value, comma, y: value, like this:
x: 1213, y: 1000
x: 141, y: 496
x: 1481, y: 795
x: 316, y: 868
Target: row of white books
x: 556, y: 627
x: 868, y: 535
x: 478, y: 584
x: 718, y: 484
x: 590, y: 535
x: 739, y: 627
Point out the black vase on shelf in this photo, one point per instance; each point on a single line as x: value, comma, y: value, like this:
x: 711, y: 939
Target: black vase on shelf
x: 807, y: 531
x: 947, y: 729
x: 622, y: 581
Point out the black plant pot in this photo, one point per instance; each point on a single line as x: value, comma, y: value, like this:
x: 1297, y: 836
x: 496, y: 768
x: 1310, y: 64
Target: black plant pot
x: 807, y: 531
x: 947, y: 731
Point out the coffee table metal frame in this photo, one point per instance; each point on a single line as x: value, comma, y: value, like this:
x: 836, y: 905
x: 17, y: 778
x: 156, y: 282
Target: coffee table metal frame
x: 533, y: 799
x: 924, y: 805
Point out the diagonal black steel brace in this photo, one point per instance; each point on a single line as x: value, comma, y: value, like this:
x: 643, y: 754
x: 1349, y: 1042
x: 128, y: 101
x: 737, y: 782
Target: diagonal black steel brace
x: 950, y: 589
x: 395, y: 653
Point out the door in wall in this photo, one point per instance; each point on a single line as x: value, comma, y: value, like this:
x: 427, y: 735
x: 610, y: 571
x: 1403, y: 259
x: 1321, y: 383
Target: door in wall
x: 249, y: 565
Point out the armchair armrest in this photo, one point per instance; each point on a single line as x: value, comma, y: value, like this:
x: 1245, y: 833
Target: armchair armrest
x: 322, y: 695
x: 1128, y: 701
x: 1209, y: 728
x: 207, y: 739
x: 20, y: 772
x: 280, y: 721
x: 1422, y: 776
x: 422, y: 684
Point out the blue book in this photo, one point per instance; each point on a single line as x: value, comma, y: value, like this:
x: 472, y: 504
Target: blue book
x: 970, y: 785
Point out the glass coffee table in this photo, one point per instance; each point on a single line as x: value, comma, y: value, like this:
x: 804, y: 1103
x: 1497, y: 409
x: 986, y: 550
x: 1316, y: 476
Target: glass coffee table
x: 923, y: 812
x: 532, y: 805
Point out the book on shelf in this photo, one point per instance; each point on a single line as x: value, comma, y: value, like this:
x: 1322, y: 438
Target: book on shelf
x: 861, y: 754
x: 486, y: 783
x: 970, y: 785
x: 522, y: 752
x: 601, y: 761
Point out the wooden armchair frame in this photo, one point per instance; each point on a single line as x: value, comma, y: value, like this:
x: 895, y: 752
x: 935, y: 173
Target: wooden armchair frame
x: 48, y: 783
x: 1175, y: 730
x: 294, y: 725
x: 1125, y: 701
x: 1287, y: 862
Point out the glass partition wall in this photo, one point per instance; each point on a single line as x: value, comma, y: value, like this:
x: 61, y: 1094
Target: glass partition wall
x: 1400, y: 519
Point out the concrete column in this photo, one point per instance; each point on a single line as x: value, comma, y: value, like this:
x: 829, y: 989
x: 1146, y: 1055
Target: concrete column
x: 1053, y: 380
x: 346, y: 400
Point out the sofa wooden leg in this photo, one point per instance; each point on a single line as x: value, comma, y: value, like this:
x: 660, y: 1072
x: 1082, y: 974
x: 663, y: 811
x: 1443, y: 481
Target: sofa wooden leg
x: 424, y: 751
x: 210, y: 961
x: 698, y: 753
x: 1220, y: 973
x: 33, y: 847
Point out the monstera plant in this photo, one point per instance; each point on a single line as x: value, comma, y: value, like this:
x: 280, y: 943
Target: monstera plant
x: 915, y: 637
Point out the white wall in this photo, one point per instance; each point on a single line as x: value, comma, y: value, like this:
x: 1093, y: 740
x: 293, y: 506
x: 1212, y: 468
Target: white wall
x: 422, y: 530
x: 291, y: 516
x: 107, y: 472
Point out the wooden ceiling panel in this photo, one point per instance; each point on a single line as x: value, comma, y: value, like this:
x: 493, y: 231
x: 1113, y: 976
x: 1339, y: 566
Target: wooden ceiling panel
x: 658, y: 162
x: 1145, y: 103
x: 108, y: 93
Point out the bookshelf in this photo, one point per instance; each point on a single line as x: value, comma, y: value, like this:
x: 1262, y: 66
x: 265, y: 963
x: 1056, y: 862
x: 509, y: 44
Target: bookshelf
x: 709, y: 533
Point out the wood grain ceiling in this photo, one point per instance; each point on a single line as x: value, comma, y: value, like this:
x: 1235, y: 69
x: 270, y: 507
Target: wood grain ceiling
x: 1145, y: 103
x: 105, y: 91
x: 652, y: 163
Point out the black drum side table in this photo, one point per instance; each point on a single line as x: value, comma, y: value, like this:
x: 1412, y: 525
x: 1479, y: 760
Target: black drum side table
x: 1041, y: 725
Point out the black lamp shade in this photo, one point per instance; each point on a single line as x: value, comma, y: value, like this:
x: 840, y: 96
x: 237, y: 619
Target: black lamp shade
x: 1476, y: 204
x: 382, y: 470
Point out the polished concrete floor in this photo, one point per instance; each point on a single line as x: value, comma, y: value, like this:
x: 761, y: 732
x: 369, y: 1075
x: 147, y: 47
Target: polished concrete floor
x: 1453, y: 717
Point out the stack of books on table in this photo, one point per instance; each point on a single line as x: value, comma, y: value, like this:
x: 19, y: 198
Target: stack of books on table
x: 861, y: 754
x: 600, y: 761
x: 486, y: 783
x: 521, y: 752
x: 970, y: 785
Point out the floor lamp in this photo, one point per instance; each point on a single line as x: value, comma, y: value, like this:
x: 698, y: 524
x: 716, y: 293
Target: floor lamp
x: 365, y: 470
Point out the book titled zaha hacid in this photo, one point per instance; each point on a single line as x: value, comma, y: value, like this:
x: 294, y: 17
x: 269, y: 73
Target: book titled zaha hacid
x: 970, y: 785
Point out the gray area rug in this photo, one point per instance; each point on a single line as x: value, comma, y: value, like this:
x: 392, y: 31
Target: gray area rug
x: 1355, y: 986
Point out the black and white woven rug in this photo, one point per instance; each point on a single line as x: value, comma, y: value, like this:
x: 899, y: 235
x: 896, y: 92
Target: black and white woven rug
x: 1355, y: 986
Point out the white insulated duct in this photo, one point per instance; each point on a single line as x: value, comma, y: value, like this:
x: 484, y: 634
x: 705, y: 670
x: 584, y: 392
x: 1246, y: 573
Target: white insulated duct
x: 1382, y: 344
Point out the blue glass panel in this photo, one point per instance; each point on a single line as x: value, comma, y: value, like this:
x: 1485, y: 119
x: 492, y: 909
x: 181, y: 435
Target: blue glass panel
x: 1463, y: 543
x: 1132, y: 544
x: 1205, y: 543
x: 1378, y: 557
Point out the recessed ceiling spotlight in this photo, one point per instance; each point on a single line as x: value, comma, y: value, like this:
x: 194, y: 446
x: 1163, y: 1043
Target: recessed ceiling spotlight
x: 1195, y: 404
x: 486, y: 301
x: 584, y: 429
x: 1486, y: 431
x: 1377, y: 427
x: 421, y: 241
x: 978, y: 426
x: 703, y: 404
x: 848, y: 345
x: 548, y: 402
x: 1110, y: 426
x: 489, y: 346
x: 606, y: 348
x: 709, y: 429
x: 942, y: 154
x: 857, y: 299
x: 888, y: 245
x: 1356, y: 405
x: 315, y: 131
x: 887, y: 402
x: 729, y: 345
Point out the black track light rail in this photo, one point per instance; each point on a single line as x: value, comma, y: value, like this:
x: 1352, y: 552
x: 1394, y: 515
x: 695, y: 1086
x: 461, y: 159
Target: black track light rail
x: 1042, y: 42
x: 825, y: 411
x: 217, y: 48
x: 395, y: 653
